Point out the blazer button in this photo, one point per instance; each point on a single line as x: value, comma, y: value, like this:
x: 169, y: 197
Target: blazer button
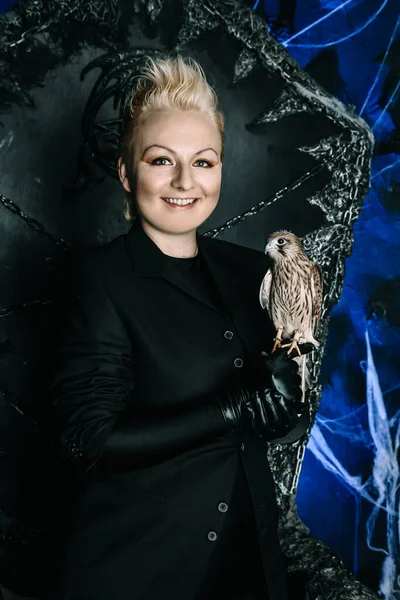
x: 222, y: 507
x: 238, y: 362
x: 228, y: 335
x: 212, y: 536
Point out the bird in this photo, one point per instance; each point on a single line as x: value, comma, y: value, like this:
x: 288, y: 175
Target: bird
x: 291, y: 292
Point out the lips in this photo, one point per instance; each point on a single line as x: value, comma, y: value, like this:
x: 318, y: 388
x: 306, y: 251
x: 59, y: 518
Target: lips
x: 182, y: 206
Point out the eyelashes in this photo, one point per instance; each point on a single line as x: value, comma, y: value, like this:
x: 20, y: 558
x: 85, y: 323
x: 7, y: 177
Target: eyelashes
x: 159, y: 158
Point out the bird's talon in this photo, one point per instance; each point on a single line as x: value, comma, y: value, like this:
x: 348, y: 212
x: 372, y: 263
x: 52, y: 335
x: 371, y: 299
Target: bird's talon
x: 293, y: 345
x: 277, y: 344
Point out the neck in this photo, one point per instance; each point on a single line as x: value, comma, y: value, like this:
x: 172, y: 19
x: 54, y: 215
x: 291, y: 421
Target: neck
x: 176, y: 245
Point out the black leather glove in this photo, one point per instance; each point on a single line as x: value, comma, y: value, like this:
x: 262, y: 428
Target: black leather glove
x: 264, y: 411
x: 280, y: 371
x: 278, y: 388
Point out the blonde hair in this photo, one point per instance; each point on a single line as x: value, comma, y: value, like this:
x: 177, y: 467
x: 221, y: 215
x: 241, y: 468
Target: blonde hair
x: 165, y: 83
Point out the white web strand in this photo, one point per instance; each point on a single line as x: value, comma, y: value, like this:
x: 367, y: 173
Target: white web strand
x: 385, y: 478
x: 382, y: 489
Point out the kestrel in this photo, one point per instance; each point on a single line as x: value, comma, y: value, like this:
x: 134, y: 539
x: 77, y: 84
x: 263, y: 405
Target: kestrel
x: 291, y: 291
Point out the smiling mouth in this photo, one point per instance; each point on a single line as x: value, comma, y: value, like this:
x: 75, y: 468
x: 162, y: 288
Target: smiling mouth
x: 180, y: 201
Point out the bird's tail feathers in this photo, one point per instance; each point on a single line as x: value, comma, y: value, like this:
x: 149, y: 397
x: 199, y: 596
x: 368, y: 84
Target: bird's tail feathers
x: 310, y: 338
x: 304, y: 374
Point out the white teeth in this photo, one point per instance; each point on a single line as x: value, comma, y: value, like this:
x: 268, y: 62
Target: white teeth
x: 179, y: 201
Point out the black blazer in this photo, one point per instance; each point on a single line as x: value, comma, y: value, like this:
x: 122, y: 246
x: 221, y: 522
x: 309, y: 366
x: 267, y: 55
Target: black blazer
x: 138, y: 338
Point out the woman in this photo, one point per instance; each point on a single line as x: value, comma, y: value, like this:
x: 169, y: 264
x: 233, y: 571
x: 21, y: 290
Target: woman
x: 162, y: 399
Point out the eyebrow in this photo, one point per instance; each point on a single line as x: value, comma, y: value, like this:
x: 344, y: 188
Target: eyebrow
x: 170, y: 149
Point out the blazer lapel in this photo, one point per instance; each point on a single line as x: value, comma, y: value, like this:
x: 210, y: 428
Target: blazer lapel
x: 234, y: 280
x: 149, y: 261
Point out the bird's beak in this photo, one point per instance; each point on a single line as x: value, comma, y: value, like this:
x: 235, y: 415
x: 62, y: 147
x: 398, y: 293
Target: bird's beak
x: 268, y: 247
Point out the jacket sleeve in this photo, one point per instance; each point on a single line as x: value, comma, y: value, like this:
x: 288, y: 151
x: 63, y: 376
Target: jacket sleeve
x: 91, y: 391
x: 93, y: 378
x: 139, y: 441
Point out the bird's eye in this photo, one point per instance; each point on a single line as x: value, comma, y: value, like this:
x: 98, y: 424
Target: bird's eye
x: 280, y: 241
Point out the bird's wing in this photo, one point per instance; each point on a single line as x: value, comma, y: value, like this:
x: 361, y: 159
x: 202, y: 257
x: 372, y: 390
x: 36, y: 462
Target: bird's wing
x: 316, y: 291
x: 265, y: 290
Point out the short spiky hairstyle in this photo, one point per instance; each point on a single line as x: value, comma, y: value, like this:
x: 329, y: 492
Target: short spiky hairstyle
x: 164, y: 83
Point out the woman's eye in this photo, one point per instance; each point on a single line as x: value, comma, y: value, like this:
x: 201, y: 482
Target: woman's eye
x: 205, y: 162
x: 160, y: 158
x: 163, y: 160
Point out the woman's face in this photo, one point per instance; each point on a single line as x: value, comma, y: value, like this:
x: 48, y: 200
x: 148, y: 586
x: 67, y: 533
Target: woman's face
x: 177, y: 156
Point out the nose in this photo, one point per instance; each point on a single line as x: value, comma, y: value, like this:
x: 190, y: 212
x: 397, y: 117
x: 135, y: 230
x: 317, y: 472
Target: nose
x: 183, y: 178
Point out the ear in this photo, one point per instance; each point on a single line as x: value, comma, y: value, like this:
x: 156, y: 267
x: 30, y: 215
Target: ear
x: 122, y: 175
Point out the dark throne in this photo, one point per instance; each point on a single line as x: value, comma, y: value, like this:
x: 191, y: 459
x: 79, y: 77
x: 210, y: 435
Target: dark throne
x: 296, y: 158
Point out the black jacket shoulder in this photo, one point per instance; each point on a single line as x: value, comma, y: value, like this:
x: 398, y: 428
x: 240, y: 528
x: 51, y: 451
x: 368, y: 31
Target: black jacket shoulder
x: 95, y: 266
x: 102, y: 264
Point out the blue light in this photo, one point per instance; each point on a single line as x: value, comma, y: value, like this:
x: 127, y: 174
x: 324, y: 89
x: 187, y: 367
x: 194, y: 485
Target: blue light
x: 344, y: 448
x: 340, y: 40
x: 312, y: 25
x: 393, y: 164
x: 384, y: 482
x: 385, y: 476
x: 380, y: 67
x: 388, y: 103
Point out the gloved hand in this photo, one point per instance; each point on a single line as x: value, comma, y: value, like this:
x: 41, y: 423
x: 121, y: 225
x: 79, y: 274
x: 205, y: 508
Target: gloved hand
x: 281, y: 382
x: 264, y: 411
x: 275, y: 400
x: 279, y: 371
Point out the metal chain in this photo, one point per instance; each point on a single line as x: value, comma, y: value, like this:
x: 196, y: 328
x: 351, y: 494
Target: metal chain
x: 299, y: 461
